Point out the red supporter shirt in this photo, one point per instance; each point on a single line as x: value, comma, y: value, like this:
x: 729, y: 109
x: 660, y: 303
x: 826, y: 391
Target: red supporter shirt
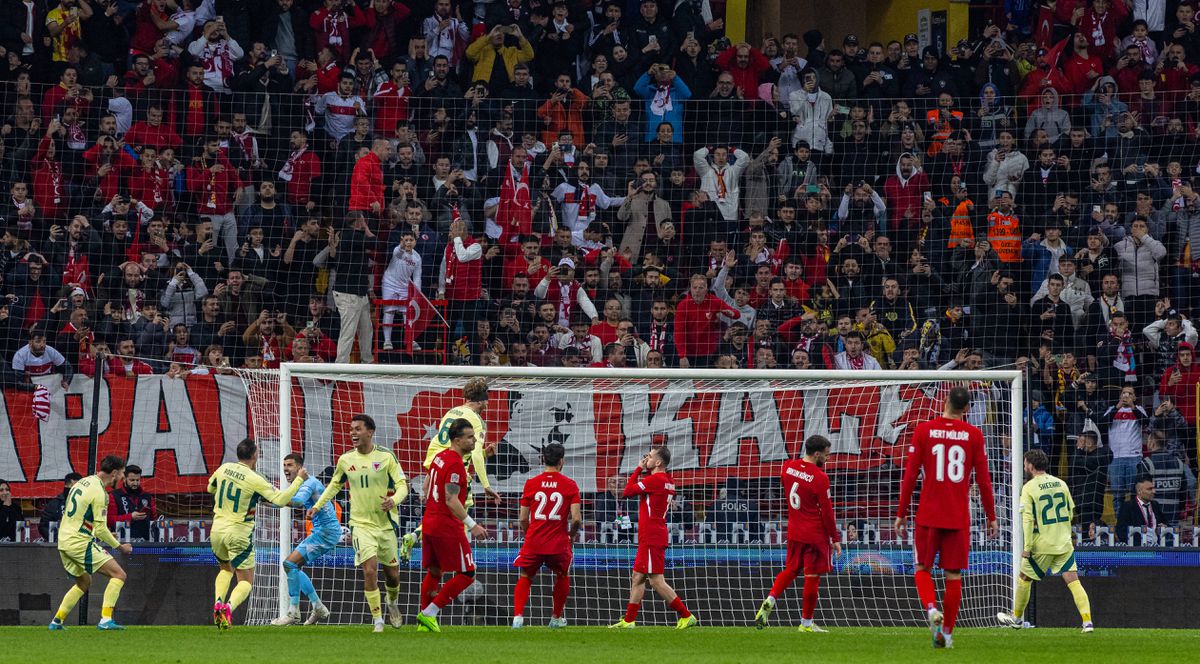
x: 946, y: 450
x: 697, y: 327
x: 447, y: 468
x: 810, y: 508
x: 655, y: 493
x: 549, y: 497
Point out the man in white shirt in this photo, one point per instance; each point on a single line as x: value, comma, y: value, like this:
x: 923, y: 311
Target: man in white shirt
x: 402, y: 274
x: 719, y: 178
x: 340, y: 108
x: 216, y: 52
x: 581, y: 199
x: 445, y: 34
x: 36, y: 358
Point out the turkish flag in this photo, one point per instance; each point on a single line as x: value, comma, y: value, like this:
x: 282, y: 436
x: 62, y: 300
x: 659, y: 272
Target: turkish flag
x: 1043, y: 34
x: 417, y: 314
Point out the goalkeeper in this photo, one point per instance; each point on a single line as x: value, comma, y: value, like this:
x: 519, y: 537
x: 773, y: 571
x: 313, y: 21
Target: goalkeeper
x: 1046, y: 512
x: 475, y: 398
x: 324, y: 538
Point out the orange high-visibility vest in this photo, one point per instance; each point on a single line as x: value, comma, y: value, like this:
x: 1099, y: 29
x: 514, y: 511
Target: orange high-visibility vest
x: 1004, y: 233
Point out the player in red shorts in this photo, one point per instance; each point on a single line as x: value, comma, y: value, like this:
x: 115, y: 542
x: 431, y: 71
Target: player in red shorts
x: 655, y: 491
x: 445, y: 547
x: 811, y: 533
x: 947, y: 449
x: 550, y: 517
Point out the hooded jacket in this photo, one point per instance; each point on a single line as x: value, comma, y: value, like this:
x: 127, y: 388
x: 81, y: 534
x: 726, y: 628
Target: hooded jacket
x: 1183, y: 393
x: 904, y: 194
x: 1050, y: 117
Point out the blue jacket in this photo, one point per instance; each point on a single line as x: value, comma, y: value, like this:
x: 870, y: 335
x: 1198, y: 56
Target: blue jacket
x: 1037, y: 260
x: 678, y: 93
x: 1043, y: 428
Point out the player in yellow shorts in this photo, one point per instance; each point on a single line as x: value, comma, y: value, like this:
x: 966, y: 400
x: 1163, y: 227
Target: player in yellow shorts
x: 377, y: 485
x: 1046, y: 512
x: 237, y: 489
x: 475, y: 398
x: 85, y: 520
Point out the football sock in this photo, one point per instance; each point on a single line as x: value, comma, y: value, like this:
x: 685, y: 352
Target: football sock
x: 1023, y: 589
x: 562, y: 588
x: 306, y: 587
x: 1081, y: 600
x: 393, y: 593
x: 373, y: 603
x: 429, y: 587
x: 811, y: 585
x: 631, y: 611
x: 680, y: 608
x: 111, y: 592
x: 952, y: 600
x: 452, y: 589
x: 223, y: 579
x: 68, y: 603
x: 925, y: 589
x: 240, y: 592
x: 782, y: 582
x: 293, y: 582
x: 521, y: 595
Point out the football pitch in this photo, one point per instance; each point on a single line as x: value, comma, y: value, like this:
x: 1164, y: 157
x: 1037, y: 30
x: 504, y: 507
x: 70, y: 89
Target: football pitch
x: 659, y: 645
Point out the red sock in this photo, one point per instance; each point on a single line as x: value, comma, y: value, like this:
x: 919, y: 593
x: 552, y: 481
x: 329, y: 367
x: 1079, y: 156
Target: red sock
x: 631, y: 611
x: 811, y: 585
x: 521, y: 595
x: 682, y: 610
x: 925, y: 589
x: 783, y: 582
x: 562, y: 588
x: 952, y: 600
x: 451, y: 590
x: 429, y: 587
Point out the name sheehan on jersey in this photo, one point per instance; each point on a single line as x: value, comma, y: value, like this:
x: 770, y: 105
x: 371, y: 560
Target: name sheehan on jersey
x: 1050, y: 485
x: 807, y: 477
x: 949, y: 434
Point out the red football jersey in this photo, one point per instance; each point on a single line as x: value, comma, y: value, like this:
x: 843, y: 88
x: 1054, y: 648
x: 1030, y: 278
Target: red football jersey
x: 656, y: 492
x: 810, y: 508
x: 447, y: 468
x: 549, y: 497
x: 947, y: 451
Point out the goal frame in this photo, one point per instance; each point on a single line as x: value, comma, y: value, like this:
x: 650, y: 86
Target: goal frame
x: 288, y: 370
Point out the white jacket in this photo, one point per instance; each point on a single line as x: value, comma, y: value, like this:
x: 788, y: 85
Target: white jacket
x: 1076, y: 293
x: 812, y: 118
x: 1004, y: 175
x: 730, y: 175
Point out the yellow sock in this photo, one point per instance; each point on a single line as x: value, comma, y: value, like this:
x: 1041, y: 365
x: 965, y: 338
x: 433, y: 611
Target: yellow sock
x: 1081, y: 600
x: 68, y: 603
x: 373, y: 602
x: 223, y: 579
x: 393, y: 593
x: 1023, y: 589
x: 111, y: 592
x: 240, y: 592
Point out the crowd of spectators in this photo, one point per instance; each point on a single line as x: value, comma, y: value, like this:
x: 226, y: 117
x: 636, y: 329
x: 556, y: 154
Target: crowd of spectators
x: 198, y: 187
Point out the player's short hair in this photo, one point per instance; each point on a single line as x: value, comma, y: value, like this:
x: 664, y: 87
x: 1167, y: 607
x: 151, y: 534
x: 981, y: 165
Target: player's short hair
x: 367, y: 420
x: 133, y: 469
x: 664, y: 453
x: 1038, y: 460
x: 457, y: 427
x: 816, y: 444
x: 246, y: 449
x: 296, y: 457
x: 959, y: 399
x: 475, y: 389
x: 112, y: 463
x: 72, y: 477
x: 552, y: 454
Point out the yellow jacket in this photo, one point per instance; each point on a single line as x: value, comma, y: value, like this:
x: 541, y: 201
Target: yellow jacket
x: 484, y: 56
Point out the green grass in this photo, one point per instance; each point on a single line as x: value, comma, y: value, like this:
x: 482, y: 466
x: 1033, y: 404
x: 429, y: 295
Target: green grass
x: 483, y: 645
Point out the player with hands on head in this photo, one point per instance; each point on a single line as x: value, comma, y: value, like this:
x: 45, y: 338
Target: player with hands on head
x: 445, y: 547
x: 811, y: 532
x: 377, y: 485
x: 655, y: 492
x: 946, y: 449
x: 550, y: 517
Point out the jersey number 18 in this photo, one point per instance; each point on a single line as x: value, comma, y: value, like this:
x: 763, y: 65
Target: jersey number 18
x: 951, y: 462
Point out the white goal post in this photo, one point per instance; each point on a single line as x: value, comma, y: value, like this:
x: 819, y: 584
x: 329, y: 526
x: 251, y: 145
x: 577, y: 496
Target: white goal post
x: 729, y: 431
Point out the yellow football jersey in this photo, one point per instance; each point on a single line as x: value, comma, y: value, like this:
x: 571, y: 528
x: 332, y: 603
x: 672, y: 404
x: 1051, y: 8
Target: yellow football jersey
x: 236, y: 489
x: 1046, y: 512
x: 476, y: 462
x: 371, y: 478
x: 85, y: 515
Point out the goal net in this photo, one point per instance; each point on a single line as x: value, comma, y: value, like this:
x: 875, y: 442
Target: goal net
x: 729, y: 433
